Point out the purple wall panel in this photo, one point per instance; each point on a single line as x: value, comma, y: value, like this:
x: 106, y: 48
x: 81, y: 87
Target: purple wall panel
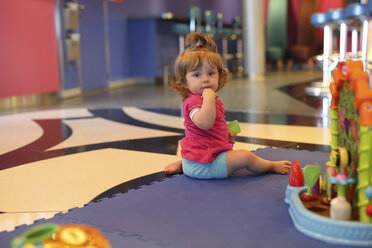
x: 229, y: 8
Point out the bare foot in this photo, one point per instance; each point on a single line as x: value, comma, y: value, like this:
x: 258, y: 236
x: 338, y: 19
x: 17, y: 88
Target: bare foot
x: 281, y: 167
x: 174, y: 168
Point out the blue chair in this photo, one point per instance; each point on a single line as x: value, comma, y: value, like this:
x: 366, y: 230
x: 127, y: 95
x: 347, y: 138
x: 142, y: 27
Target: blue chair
x: 358, y: 18
x: 357, y: 11
x: 339, y: 18
x: 319, y: 20
x: 369, y: 7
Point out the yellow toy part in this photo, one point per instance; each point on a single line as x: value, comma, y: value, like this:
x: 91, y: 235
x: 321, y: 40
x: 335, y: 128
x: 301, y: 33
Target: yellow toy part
x: 335, y: 157
x: 344, y: 157
x: 340, y: 157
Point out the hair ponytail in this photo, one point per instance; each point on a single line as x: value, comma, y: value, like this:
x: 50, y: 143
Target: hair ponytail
x: 198, y: 42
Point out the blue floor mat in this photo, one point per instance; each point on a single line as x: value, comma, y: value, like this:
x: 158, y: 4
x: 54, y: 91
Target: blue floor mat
x: 247, y: 210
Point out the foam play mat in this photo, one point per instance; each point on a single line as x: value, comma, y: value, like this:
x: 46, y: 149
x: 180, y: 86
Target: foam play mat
x: 247, y: 210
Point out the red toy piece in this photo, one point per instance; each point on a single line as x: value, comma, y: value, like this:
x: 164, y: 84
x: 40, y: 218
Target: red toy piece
x: 296, y: 177
x: 369, y: 210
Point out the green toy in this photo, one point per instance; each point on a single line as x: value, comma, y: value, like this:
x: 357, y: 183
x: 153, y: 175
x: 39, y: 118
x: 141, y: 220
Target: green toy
x: 364, y: 170
x: 311, y: 174
x: 234, y: 127
x: 35, y: 235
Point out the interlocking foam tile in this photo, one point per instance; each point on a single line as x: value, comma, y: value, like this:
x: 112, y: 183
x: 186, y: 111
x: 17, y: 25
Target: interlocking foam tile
x: 244, y: 211
x: 117, y: 238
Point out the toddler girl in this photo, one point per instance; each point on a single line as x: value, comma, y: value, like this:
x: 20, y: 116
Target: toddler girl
x: 206, y: 151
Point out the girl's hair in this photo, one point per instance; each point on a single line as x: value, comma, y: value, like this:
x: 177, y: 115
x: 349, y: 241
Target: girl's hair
x: 199, y: 47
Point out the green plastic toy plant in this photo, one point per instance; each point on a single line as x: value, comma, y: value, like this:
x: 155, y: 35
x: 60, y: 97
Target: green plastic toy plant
x: 364, y: 170
x: 329, y: 186
x: 234, y: 127
x: 334, y: 128
x: 311, y: 174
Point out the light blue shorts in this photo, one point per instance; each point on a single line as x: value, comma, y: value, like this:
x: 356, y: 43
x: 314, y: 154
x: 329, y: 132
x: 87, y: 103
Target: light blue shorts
x: 214, y: 169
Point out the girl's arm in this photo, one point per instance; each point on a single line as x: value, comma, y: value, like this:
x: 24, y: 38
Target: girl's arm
x: 205, y: 117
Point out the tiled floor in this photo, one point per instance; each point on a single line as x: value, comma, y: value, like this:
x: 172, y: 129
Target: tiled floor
x: 63, y: 155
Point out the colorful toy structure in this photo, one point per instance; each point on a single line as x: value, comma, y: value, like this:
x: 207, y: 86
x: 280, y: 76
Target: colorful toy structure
x: 351, y: 142
x: 68, y: 236
x: 346, y: 192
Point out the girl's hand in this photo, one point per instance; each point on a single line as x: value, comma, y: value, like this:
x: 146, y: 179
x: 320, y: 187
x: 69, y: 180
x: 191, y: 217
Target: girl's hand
x: 205, y: 117
x: 209, y: 93
x: 231, y: 138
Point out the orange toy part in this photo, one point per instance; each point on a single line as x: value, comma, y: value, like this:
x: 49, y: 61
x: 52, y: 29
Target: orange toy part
x: 365, y: 113
x: 335, y: 91
x: 335, y: 86
x: 345, y: 69
x: 336, y: 75
x: 363, y: 102
x: 79, y: 236
x: 356, y: 76
x: 352, y: 71
x: 341, y: 71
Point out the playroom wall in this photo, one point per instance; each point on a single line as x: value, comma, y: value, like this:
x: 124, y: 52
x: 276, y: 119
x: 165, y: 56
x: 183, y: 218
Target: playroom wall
x: 29, y: 54
x: 28, y: 48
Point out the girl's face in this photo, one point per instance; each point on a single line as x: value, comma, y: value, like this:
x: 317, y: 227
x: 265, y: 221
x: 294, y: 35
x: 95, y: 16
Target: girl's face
x: 204, y: 77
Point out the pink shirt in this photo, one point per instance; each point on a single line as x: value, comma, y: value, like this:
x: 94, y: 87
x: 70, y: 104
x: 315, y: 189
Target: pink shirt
x: 199, y: 145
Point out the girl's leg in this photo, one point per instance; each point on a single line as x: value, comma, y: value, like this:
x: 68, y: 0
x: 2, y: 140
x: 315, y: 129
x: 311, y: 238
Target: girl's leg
x: 174, y: 168
x: 240, y: 159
